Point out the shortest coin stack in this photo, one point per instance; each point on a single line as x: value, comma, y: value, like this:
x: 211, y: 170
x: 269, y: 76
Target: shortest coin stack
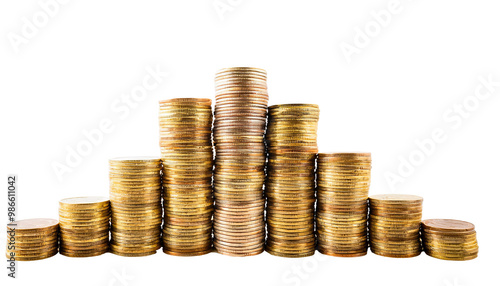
x: 84, y: 224
x: 32, y: 239
x: 449, y: 239
x: 395, y: 224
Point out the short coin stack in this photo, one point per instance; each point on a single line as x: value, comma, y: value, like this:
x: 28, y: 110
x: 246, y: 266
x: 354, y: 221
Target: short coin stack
x: 33, y: 239
x: 239, y: 128
x: 342, y: 211
x: 84, y: 224
x: 449, y: 239
x: 290, y: 185
x: 187, y: 155
x: 136, y: 213
x: 394, y: 225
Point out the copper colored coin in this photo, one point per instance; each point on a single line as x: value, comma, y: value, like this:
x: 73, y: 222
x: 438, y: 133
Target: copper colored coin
x: 33, y: 224
x: 447, y: 225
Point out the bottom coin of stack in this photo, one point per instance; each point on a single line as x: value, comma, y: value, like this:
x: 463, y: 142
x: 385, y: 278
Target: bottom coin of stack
x: 84, y: 224
x: 394, y: 225
x: 449, y: 239
x: 32, y: 239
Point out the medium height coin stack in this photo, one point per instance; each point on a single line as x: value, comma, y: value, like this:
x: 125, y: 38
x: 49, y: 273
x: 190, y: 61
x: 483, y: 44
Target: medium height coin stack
x: 290, y: 185
x: 239, y: 129
x: 395, y: 224
x: 135, y: 195
x: 221, y: 203
x: 84, y: 224
x: 342, y: 211
x: 187, y: 155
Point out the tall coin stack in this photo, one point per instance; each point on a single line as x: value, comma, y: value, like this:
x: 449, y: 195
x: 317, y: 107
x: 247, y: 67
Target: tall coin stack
x: 449, y: 239
x: 84, y: 224
x: 342, y: 211
x: 290, y: 185
x: 394, y: 225
x: 136, y: 212
x: 187, y: 155
x: 32, y: 239
x: 239, y: 129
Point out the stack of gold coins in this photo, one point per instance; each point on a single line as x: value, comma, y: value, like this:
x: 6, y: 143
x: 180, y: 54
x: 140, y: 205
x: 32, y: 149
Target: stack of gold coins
x: 187, y: 155
x: 32, y: 239
x: 136, y: 211
x: 449, y: 239
x: 290, y: 185
x: 342, y: 211
x: 84, y: 224
x: 239, y: 128
x: 394, y: 225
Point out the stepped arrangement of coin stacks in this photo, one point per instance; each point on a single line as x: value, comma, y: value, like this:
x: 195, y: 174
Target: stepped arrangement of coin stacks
x: 290, y: 185
x: 225, y: 198
x: 136, y: 210
x: 34, y: 239
x: 187, y: 156
x: 342, y: 212
x: 84, y: 226
x: 449, y: 239
x: 394, y: 225
x: 239, y: 127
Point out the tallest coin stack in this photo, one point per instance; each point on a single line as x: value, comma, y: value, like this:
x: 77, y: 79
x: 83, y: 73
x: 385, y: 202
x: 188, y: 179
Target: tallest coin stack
x: 239, y: 129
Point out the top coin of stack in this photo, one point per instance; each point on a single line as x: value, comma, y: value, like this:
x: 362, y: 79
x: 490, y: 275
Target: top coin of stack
x: 136, y: 215
x: 84, y: 224
x: 449, y: 239
x: 239, y: 128
x: 290, y: 185
x: 394, y: 225
x: 342, y: 211
x: 32, y: 239
x: 187, y: 155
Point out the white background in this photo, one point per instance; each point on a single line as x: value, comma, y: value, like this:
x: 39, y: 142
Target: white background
x: 64, y: 78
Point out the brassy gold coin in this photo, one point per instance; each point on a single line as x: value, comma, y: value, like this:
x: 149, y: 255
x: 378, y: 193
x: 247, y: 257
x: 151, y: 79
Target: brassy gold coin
x: 394, y: 225
x: 290, y: 188
x: 84, y: 225
x: 135, y: 199
x: 187, y: 155
x: 342, y: 212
